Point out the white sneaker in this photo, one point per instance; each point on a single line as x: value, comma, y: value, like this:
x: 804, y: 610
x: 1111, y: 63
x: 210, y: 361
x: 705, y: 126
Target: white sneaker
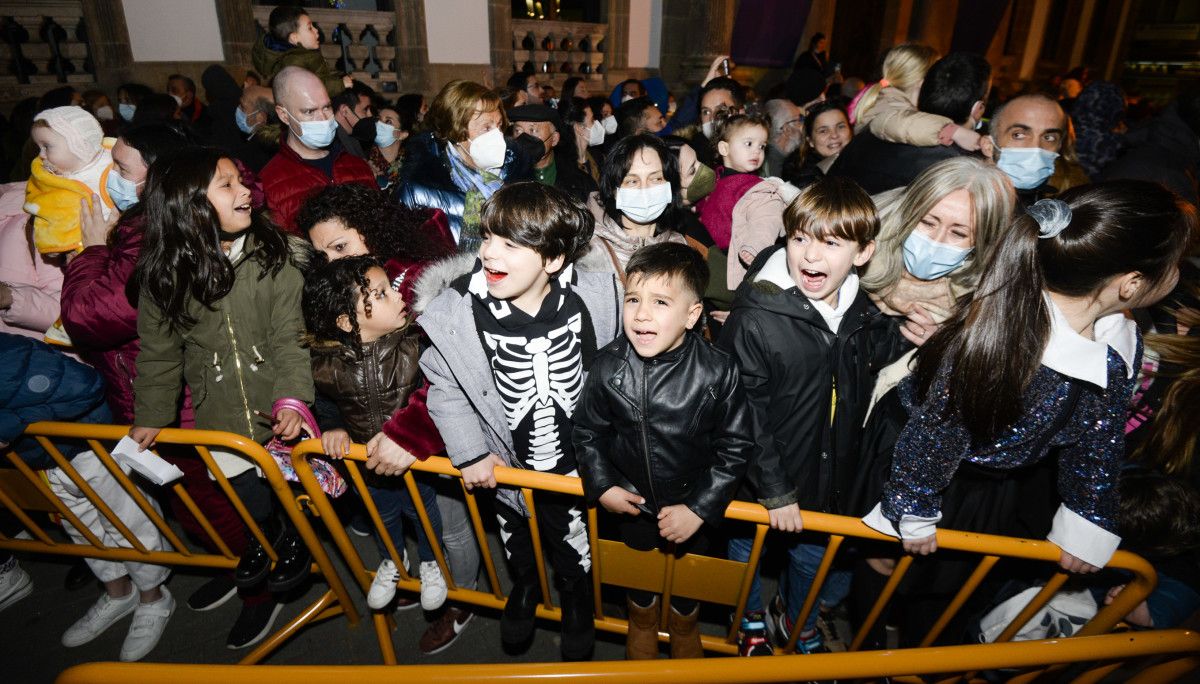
x: 149, y: 621
x: 383, y: 587
x: 433, y: 586
x: 14, y: 584
x: 98, y: 618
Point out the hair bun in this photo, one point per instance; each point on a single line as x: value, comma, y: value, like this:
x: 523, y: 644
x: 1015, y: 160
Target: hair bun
x: 1052, y: 216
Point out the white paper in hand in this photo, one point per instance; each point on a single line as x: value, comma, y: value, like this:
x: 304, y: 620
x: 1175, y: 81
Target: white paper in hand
x: 146, y: 463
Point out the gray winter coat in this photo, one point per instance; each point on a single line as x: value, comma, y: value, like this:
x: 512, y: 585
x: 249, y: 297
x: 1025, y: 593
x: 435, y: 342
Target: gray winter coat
x: 463, y: 399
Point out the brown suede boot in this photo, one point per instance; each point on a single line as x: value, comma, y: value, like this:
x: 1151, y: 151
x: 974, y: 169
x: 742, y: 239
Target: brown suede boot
x: 641, y: 643
x: 685, y: 634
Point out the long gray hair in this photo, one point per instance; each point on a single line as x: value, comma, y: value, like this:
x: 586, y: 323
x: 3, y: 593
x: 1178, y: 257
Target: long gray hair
x: 901, y: 210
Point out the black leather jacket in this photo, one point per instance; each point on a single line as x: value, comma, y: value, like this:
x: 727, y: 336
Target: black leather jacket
x: 675, y: 428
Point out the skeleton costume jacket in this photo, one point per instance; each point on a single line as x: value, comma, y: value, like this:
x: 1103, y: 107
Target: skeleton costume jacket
x: 474, y: 416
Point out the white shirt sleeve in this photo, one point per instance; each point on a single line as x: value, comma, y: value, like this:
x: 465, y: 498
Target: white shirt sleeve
x: 1082, y: 538
x: 911, y: 526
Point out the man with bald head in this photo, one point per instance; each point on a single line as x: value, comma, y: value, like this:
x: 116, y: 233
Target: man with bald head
x: 309, y: 156
x: 1026, y: 140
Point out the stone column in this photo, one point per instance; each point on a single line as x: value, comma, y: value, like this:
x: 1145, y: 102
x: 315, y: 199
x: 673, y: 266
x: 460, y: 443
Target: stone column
x: 1034, y: 39
x: 238, y: 31
x: 500, y: 21
x: 693, y: 35
x: 412, y: 48
x: 108, y: 39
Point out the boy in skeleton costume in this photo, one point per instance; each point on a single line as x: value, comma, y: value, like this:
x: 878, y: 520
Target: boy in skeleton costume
x: 512, y: 337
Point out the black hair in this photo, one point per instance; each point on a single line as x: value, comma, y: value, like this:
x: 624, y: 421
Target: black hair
x: 996, y: 340
x: 187, y: 82
x: 408, y: 106
x: 154, y: 139
x: 181, y: 258
x: 56, y: 97
x: 573, y: 110
x: 735, y: 89
x: 156, y: 107
x: 812, y: 42
x: 568, y: 90
x: 349, y: 96
x: 616, y: 165
x: 810, y: 117
x: 640, y: 85
x: 388, y: 228
x: 727, y: 125
x: 596, y: 102
x: 334, y: 289
x: 540, y: 217
x: 1159, y: 515
x: 629, y: 115
x: 136, y: 92
x: 671, y: 260
x: 954, y: 84
x: 284, y: 21
x: 519, y: 80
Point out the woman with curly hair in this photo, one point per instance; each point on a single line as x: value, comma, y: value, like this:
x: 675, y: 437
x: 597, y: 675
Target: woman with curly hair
x: 354, y: 220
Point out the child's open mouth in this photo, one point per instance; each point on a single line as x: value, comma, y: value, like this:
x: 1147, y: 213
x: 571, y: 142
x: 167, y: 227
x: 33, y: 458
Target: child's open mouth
x: 644, y: 336
x: 812, y: 281
x: 494, y: 276
x: 243, y: 208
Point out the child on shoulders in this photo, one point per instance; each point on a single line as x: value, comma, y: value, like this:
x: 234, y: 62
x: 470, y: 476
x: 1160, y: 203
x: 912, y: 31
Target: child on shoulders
x: 292, y: 40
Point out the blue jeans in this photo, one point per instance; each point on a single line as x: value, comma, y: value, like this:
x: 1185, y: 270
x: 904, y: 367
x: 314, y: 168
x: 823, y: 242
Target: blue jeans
x: 804, y: 559
x: 395, y: 504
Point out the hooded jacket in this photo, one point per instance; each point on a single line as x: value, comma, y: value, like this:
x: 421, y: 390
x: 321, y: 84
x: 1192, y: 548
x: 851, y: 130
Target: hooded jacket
x: 34, y: 280
x: 463, y: 399
x: 675, y: 428
x: 269, y: 57
x: 380, y: 391
x: 238, y: 357
x: 795, y: 372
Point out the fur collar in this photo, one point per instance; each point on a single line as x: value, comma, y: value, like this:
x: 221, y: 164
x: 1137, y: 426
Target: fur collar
x: 438, y: 276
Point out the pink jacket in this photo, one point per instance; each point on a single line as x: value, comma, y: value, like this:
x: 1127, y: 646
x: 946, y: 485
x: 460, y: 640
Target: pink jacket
x: 35, y: 282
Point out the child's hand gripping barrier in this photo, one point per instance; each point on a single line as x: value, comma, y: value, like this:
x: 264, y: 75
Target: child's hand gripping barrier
x: 330, y: 480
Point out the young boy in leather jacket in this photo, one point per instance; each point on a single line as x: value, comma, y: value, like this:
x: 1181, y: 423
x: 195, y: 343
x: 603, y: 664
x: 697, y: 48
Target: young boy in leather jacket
x: 663, y: 432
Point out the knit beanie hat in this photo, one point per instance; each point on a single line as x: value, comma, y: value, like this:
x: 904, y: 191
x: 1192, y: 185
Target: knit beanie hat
x: 80, y: 129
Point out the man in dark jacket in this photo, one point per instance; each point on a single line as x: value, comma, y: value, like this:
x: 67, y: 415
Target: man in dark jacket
x: 553, y: 167
x: 308, y: 158
x: 1166, y: 150
x: 662, y: 431
x: 809, y: 343
x: 956, y: 87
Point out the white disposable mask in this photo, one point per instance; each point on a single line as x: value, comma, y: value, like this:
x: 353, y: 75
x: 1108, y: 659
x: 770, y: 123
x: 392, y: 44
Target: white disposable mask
x: 488, y: 150
x: 385, y: 134
x: 595, y: 134
x: 104, y: 113
x: 610, y: 124
x: 316, y: 135
x: 178, y: 100
x: 644, y: 205
x: 708, y: 128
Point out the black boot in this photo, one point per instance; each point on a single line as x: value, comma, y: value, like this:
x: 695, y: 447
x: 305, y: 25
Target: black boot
x: 295, y: 562
x: 578, y: 626
x: 252, y: 569
x: 517, y: 620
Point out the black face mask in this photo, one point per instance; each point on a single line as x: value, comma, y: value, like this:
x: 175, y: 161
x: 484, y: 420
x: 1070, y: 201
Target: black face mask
x: 364, y: 131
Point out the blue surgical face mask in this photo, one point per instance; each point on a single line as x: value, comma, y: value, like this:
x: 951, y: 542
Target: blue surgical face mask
x: 126, y: 110
x: 316, y: 135
x: 930, y: 260
x: 1027, y: 167
x: 121, y: 190
x: 385, y: 134
x: 243, y: 125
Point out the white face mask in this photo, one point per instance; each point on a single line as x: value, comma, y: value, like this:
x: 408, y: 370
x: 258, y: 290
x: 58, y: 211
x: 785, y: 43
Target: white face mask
x: 596, y: 134
x: 104, y: 113
x: 385, y: 134
x: 178, y: 100
x: 487, y: 150
x: 610, y: 124
x: 626, y: 98
x: 644, y: 205
x: 708, y: 127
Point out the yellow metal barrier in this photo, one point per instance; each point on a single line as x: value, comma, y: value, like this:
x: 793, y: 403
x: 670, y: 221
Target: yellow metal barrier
x: 23, y: 491
x: 1178, y: 646
x: 704, y: 578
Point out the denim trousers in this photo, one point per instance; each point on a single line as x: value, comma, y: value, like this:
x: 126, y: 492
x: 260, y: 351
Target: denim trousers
x: 803, y: 561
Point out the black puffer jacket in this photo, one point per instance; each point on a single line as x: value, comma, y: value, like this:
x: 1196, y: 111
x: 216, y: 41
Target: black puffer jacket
x: 674, y: 428
x: 790, y: 363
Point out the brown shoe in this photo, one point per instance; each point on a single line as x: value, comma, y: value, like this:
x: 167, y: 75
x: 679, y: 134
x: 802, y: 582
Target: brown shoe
x: 641, y: 642
x: 685, y: 634
x: 444, y: 630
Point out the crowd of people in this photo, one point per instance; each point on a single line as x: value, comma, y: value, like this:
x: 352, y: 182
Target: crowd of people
x: 900, y: 301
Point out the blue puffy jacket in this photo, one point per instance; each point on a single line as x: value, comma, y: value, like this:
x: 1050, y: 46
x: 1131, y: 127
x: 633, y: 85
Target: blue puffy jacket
x: 39, y: 383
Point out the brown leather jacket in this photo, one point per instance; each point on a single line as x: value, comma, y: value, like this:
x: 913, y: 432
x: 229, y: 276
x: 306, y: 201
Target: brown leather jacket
x: 368, y: 391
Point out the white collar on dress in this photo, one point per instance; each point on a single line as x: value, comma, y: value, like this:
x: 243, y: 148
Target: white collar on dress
x: 1075, y: 356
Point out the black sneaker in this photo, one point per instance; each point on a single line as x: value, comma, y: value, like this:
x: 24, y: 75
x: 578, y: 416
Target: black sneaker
x: 212, y: 593
x: 294, y: 564
x: 253, y: 624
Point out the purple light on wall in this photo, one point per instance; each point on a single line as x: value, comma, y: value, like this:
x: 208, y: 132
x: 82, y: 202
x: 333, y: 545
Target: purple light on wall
x: 766, y: 32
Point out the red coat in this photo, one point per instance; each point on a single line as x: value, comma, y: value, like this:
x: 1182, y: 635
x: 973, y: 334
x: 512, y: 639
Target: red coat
x: 100, y: 320
x: 288, y: 180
